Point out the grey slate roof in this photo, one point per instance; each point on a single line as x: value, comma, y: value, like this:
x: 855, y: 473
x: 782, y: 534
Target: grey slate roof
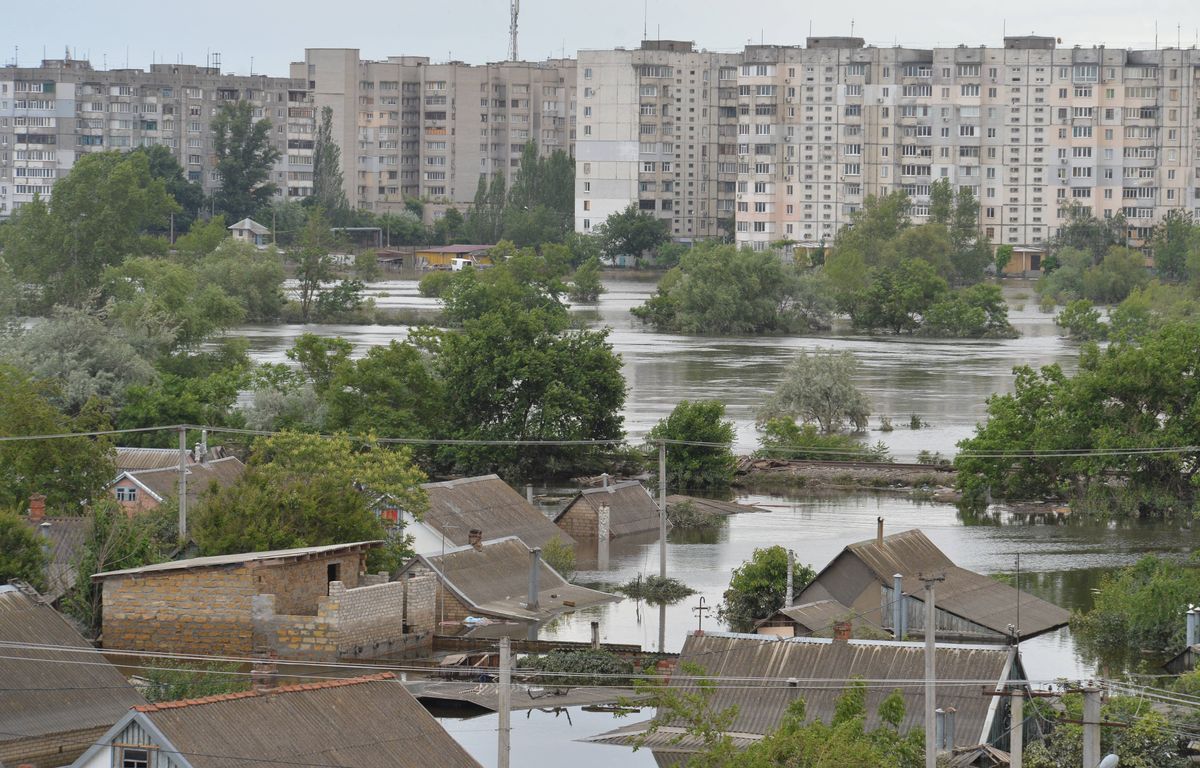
x: 164, y: 483
x: 711, y: 505
x: 817, y: 618
x: 365, y: 722
x: 251, y: 225
x: 494, y: 581
x: 74, y: 690
x: 134, y: 459
x: 822, y: 666
x: 631, y: 508
x: 214, y: 561
x: 64, y: 536
x: 490, y: 505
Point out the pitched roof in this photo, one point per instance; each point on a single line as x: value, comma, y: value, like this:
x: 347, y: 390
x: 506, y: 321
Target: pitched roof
x: 249, y: 224
x: 461, y: 248
x: 817, y: 618
x: 216, y: 561
x: 631, y: 508
x: 972, y: 596
x: 490, y: 505
x: 821, y: 668
x: 164, y: 483
x: 134, y: 459
x: 64, y: 538
x: 714, y: 506
x: 72, y: 690
x: 494, y: 580
x: 366, y: 722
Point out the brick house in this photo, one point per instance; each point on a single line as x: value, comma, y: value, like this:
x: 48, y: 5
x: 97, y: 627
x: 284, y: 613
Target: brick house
x: 631, y: 510
x: 366, y: 722
x: 146, y: 489
x: 55, y: 703
x: 312, y: 603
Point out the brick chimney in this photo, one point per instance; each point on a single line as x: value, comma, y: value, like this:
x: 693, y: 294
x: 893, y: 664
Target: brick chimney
x: 475, y: 539
x: 37, y: 508
x: 841, y: 631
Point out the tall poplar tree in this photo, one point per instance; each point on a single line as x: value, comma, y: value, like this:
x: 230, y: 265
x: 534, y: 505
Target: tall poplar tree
x: 328, y: 191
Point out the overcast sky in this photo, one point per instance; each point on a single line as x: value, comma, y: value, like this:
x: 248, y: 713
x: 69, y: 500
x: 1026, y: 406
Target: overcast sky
x: 275, y: 33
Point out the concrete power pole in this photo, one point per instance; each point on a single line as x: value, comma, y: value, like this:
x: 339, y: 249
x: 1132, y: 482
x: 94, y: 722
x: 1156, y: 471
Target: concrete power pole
x: 1016, y: 745
x: 1091, y: 727
x: 930, y: 671
x: 182, y: 484
x: 662, y: 509
x: 505, y: 701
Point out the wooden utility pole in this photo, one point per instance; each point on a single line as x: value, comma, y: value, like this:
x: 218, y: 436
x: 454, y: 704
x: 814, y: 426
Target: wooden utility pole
x: 930, y: 670
x: 505, y: 701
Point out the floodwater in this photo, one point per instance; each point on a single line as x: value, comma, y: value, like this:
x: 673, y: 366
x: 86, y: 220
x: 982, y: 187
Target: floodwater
x: 943, y: 382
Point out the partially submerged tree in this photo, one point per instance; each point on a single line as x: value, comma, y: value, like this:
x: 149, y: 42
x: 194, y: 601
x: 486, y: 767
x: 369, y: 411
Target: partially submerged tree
x: 819, y: 387
x: 758, y: 588
x: 695, y: 466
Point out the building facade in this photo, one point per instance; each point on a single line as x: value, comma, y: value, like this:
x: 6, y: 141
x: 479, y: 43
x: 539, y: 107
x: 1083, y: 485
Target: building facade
x: 409, y: 128
x: 656, y: 130
x: 52, y: 114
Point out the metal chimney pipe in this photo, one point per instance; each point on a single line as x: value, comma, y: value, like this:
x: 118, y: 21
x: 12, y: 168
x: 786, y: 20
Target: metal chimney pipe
x: 948, y: 733
x: 879, y: 531
x: 535, y: 562
x: 604, y: 480
x: 529, y: 493
x: 939, y: 740
x: 898, y: 606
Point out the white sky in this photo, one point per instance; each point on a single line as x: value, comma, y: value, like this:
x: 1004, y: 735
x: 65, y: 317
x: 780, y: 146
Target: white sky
x: 274, y: 32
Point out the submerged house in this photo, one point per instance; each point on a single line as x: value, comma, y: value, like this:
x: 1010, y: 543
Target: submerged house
x: 485, y: 503
x: 501, y: 579
x: 366, y: 722
x: 312, y: 603
x: 55, y: 702
x: 631, y: 509
x: 816, y: 669
x: 971, y: 607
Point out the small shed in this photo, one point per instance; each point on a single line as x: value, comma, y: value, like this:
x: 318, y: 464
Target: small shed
x: 250, y: 231
x: 443, y: 256
x: 631, y: 510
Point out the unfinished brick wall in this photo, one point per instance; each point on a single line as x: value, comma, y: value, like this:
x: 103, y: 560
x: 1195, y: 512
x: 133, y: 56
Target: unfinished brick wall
x: 50, y: 750
x: 299, y: 586
x: 191, y: 611
x: 580, y: 521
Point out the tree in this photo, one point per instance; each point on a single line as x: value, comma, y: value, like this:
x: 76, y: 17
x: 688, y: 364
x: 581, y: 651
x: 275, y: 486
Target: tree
x: 757, y: 588
x: 1083, y: 231
x: 202, y: 238
x: 970, y: 252
x: 67, y: 471
x: 975, y: 312
x: 1081, y: 321
x: 897, y: 298
x: 313, y: 265
x: 864, y: 242
x: 328, y: 191
x: 695, y: 466
x: 321, y: 358
x: 783, y: 438
x: 485, y: 220
x: 941, y: 202
x: 245, y: 158
x: 252, y: 278
x: 306, y: 490
x: 586, y: 285
x: 188, y: 195
x: 819, y: 387
x: 391, y: 390
x: 631, y: 232
x: 98, y: 215
x: 1004, y: 254
x: 21, y: 553
x: 1149, y: 740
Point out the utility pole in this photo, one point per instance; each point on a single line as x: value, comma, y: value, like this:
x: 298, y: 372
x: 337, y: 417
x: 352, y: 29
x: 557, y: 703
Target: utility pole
x: 930, y: 670
x: 505, y: 701
x: 662, y: 509
x: 1017, y: 735
x: 182, y: 484
x: 1091, y: 727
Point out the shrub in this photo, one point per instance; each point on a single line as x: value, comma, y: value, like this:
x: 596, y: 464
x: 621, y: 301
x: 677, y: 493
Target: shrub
x: 579, y: 668
x: 560, y: 556
x: 688, y: 515
x: 656, y: 590
x: 433, y: 284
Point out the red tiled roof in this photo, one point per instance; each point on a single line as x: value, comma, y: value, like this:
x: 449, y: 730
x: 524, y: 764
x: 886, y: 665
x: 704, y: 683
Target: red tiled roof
x: 164, y: 705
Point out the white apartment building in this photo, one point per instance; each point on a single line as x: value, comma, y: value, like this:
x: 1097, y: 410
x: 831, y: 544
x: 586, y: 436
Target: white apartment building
x: 653, y: 123
x: 51, y: 114
x: 411, y: 128
x: 1030, y: 128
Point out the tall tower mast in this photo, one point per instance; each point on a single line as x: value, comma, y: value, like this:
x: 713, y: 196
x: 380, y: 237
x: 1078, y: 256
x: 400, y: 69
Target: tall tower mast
x: 512, y: 31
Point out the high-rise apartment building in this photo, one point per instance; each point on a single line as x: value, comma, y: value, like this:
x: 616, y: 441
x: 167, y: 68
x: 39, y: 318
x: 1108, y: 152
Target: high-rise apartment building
x: 51, y: 114
x: 657, y: 128
x: 1030, y: 128
x: 411, y: 128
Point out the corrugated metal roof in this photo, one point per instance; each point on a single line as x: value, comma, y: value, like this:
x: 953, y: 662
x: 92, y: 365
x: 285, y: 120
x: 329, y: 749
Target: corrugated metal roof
x: 164, y: 483
x: 214, y: 561
x: 494, y: 580
x: 631, y: 507
x: 65, y: 536
x: 711, y: 505
x: 70, y: 691
x: 134, y: 459
x: 370, y: 722
x: 817, y: 618
x: 488, y: 504
x: 821, y: 668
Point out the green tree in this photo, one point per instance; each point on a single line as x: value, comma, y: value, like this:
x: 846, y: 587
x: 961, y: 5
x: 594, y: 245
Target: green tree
x: 1083, y: 231
x: 175, y: 680
x: 188, y: 195
x: 941, y: 202
x: 930, y: 243
x: 970, y: 252
x: 321, y: 358
x: 758, y: 587
x: 897, y: 298
x: 98, y: 215
x: 328, y: 191
x: 306, y: 490
x: 1081, y: 321
x: 1004, y: 254
x: 21, y: 553
x: 783, y: 438
x: 252, y: 278
x: 245, y: 158
x: 391, y: 390
x: 448, y: 229
x: 68, y: 471
x: 631, y: 232
x: 1149, y: 739
x: 695, y: 466
x: 819, y: 387
x: 975, y: 312
x: 865, y: 242
x: 585, y: 284
x: 202, y: 238
x: 314, y: 268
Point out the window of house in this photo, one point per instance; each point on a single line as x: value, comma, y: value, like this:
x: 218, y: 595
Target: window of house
x: 129, y: 757
x: 126, y: 494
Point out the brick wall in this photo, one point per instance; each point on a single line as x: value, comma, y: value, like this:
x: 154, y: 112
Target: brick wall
x: 299, y: 586
x: 579, y: 521
x: 201, y: 611
x: 49, y: 751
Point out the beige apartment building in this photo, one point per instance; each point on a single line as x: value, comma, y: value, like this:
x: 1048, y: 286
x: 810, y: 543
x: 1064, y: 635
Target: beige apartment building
x: 1030, y: 128
x: 51, y: 114
x: 411, y: 128
x: 656, y: 129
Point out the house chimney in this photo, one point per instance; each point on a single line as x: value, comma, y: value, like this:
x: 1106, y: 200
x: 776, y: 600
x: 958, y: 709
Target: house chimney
x: 535, y: 562
x: 949, y: 728
x: 939, y: 739
x: 841, y: 631
x: 879, y: 531
x: 604, y: 480
x: 475, y: 539
x: 44, y: 529
x: 529, y: 492
x: 37, y: 507
x: 263, y: 670
x: 898, y: 614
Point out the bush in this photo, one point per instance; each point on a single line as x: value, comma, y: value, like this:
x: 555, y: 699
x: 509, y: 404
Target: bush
x: 1081, y: 321
x: 656, y: 590
x: 695, y: 466
x: 560, y: 556
x: 578, y: 668
x: 688, y: 515
x: 433, y: 284
x: 785, y: 439
x: 586, y: 285
x: 757, y: 588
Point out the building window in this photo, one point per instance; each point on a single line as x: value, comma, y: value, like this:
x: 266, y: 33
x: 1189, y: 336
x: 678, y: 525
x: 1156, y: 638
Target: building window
x: 126, y: 494
x: 132, y: 758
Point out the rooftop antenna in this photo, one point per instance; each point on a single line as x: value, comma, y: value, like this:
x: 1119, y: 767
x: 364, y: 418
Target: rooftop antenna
x: 216, y: 60
x: 514, y: 10
x: 252, y: 66
x: 645, y: 18
x: 851, y: 27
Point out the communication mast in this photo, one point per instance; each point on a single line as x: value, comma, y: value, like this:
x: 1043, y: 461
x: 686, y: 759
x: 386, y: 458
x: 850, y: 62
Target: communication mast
x: 512, y: 30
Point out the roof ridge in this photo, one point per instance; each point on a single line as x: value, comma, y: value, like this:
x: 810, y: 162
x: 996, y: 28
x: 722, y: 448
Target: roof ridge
x: 908, y: 532
x: 296, y: 688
